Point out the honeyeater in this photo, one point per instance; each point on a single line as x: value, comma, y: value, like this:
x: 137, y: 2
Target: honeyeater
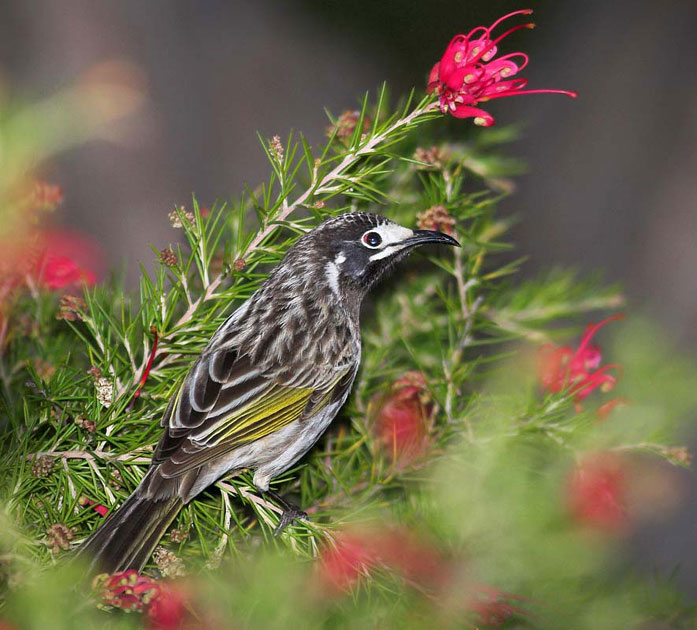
x: 267, y: 385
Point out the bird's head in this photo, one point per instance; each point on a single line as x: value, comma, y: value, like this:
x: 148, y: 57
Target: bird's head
x: 353, y: 251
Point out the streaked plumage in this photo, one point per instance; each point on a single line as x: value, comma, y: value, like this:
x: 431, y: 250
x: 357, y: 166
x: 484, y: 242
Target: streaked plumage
x: 269, y: 382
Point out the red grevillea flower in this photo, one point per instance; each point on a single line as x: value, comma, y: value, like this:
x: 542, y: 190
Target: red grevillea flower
x: 596, y: 493
x: 400, y: 418
x: 469, y: 72
x: 65, y: 260
x: 168, y: 611
x: 355, y: 552
x: 420, y: 563
x: 127, y: 590
x: 343, y: 563
x: 51, y: 260
x: 563, y: 368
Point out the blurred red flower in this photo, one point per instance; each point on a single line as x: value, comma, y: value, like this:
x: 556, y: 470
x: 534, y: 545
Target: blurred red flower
x: 65, y: 259
x: 469, y: 74
x: 343, y: 563
x: 400, y: 418
x: 164, y: 603
x: 355, y: 552
x: 419, y: 562
x: 563, y: 368
x: 490, y: 605
x: 51, y: 260
x: 596, y: 493
x: 168, y: 611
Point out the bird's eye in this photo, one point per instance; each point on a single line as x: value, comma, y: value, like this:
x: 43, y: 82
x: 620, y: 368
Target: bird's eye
x: 372, y: 239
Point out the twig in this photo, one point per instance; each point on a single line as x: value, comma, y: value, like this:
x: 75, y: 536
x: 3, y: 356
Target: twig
x: 218, y: 552
x: 107, y: 489
x: 589, y: 304
x: 468, y: 313
x: 130, y: 457
x: 146, y: 370
x: 249, y: 495
x: 71, y: 486
x: 252, y: 497
x: 455, y: 358
x: 514, y: 327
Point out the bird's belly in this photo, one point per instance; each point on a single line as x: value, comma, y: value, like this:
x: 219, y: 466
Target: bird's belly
x: 283, y: 451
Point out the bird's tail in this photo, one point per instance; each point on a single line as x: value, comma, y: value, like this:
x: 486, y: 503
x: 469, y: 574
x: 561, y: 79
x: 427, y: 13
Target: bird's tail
x: 128, y: 537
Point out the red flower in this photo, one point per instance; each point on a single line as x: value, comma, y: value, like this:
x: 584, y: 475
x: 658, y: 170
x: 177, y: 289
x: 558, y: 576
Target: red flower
x: 65, y: 260
x: 419, y: 562
x: 469, y: 74
x: 596, y: 493
x: 490, y: 605
x: 354, y: 553
x: 100, y: 509
x: 343, y: 563
x: 168, y: 611
x: 126, y: 590
x: 562, y: 368
x: 400, y: 420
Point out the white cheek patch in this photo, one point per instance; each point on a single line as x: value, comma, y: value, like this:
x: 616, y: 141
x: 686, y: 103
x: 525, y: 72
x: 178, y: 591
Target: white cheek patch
x: 393, y: 237
x: 331, y: 272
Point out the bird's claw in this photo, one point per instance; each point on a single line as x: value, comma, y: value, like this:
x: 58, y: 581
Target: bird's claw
x: 287, y: 517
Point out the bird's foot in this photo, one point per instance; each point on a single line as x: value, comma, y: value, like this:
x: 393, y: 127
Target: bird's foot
x: 287, y: 518
x: 290, y: 512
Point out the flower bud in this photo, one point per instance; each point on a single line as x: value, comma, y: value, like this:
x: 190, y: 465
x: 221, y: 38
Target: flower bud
x: 400, y: 418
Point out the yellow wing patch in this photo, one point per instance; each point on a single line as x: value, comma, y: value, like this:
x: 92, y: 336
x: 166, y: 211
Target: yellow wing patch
x: 274, y: 409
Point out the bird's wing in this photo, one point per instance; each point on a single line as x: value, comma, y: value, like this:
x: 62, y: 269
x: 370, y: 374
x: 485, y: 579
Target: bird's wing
x: 225, y: 402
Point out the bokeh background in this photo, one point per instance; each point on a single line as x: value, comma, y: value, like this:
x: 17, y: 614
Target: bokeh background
x: 612, y: 181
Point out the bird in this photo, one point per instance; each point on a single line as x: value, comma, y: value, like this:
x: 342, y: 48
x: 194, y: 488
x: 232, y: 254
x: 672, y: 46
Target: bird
x: 266, y: 386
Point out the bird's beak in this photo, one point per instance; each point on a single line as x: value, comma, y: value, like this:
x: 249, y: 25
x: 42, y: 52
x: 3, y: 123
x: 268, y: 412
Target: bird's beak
x: 424, y: 237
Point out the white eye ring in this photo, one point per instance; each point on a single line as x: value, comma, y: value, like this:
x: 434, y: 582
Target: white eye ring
x: 371, y: 239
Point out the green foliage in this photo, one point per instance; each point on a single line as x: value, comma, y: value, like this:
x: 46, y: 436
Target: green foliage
x: 489, y: 489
